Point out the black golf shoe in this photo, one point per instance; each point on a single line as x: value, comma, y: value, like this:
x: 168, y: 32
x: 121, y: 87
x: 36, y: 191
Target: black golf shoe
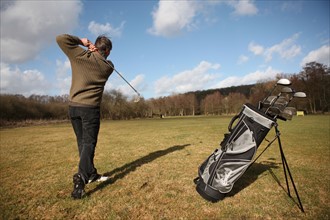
x: 78, y: 187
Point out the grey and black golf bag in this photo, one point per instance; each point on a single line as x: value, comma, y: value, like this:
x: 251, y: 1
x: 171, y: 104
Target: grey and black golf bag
x: 218, y: 173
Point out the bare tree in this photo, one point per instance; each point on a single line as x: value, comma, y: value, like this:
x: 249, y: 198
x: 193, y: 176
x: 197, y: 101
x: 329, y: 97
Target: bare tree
x: 213, y: 104
x: 235, y: 102
x: 191, y: 103
x: 316, y: 79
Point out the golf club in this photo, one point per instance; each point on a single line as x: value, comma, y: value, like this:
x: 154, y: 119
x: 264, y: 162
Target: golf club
x: 287, y: 113
x: 295, y: 95
x: 280, y: 82
x: 276, y: 100
x: 136, y: 99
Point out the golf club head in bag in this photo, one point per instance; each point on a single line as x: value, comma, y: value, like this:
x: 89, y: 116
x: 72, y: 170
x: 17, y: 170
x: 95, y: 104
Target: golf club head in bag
x: 278, y: 100
x: 281, y: 82
x: 284, y: 115
x: 300, y: 95
x: 281, y: 110
x: 280, y: 103
x: 287, y: 113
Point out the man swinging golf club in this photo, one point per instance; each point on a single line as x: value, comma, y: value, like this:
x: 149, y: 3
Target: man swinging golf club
x: 90, y: 71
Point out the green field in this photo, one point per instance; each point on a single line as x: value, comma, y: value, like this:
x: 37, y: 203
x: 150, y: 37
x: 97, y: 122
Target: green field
x: 152, y: 164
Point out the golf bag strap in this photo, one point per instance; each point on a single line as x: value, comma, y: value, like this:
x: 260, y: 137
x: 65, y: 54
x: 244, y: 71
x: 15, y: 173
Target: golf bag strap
x: 230, y: 126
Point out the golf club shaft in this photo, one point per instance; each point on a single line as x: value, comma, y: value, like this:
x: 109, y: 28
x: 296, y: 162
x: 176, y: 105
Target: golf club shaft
x: 263, y: 101
x: 120, y: 76
x: 126, y: 81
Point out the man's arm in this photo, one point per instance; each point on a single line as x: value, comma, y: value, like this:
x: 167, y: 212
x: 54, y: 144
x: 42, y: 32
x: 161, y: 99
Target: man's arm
x: 70, y: 45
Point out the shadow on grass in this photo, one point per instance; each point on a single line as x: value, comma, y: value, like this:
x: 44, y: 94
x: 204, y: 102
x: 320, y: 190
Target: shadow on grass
x: 121, y: 172
x: 251, y: 175
x: 255, y: 171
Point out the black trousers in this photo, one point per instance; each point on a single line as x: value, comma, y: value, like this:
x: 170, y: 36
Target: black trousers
x: 86, y: 125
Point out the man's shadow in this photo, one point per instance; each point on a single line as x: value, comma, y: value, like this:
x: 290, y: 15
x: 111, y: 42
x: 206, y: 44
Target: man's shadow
x: 124, y: 170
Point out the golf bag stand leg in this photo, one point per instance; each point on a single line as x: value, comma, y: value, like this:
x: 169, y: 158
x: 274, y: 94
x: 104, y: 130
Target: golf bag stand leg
x: 286, y: 168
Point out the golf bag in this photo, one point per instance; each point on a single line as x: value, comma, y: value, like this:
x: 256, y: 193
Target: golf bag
x: 218, y: 173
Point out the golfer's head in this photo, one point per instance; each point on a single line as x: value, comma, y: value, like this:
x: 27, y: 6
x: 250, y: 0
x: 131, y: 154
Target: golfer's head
x: 104, y: 45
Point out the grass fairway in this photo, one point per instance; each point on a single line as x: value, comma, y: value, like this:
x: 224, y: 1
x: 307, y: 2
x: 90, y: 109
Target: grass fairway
x: 152, y: 164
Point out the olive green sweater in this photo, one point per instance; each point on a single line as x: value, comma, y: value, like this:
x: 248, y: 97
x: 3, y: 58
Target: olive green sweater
x: 90, y: 71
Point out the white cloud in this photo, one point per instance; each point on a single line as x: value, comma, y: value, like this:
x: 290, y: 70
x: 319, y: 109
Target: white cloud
x: 242, y: 59
x: 287, y: 49
x: 107, y: 29
x: 248, y: 79
x: 188, y: 80
x: 243, y: 7
x: 256, y: 49
x: 171, y: 17
x: 27, y: 82
x: 292, y: 6
x: 63, y: 76
x: 27, y: 26
x: 320, y: 55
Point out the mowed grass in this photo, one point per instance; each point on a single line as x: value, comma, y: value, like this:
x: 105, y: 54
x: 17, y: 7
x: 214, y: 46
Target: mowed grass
x: 152, y: 164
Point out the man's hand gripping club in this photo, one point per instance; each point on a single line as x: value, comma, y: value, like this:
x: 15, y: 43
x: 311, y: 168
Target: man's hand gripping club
x: 87, y: 43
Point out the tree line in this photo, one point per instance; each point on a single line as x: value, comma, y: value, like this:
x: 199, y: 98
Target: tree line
x: 314, y: 80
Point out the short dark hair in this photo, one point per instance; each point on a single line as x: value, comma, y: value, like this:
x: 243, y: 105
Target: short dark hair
x: 104, y: 45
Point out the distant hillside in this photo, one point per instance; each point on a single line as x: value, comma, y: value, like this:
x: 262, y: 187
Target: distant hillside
x: 244, y: 89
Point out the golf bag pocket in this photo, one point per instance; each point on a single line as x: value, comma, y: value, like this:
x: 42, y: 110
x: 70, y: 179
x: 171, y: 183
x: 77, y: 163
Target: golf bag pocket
x: 227, y: 164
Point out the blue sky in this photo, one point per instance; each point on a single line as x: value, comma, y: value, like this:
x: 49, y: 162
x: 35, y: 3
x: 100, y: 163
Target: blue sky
x: 163, y: 47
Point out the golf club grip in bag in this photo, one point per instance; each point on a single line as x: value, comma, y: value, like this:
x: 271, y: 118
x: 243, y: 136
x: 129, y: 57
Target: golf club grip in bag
x: 218, y: 173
